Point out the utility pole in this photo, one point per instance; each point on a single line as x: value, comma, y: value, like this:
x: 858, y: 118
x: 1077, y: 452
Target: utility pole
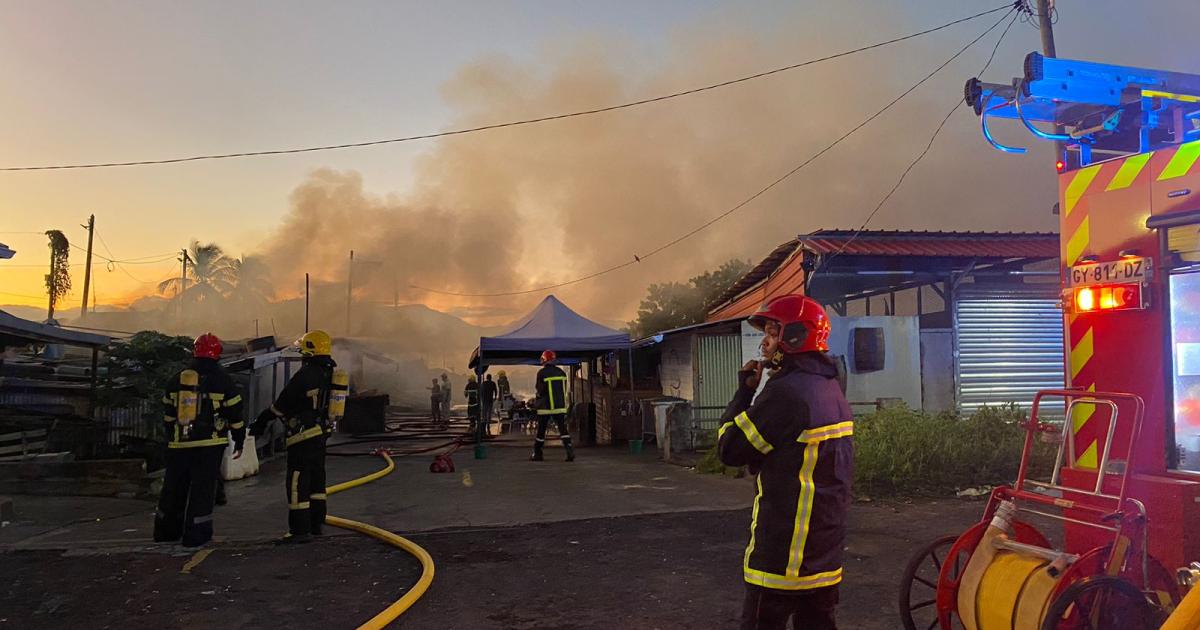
x: 349, y: 291
x: 53, y: 286
x: 87, y: 266
x: 182, y: 282
x: 1045, y: 8
x: 306, y: 302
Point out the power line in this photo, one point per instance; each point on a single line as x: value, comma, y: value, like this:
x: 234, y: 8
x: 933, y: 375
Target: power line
x: 32, y: 297
x: 515, y: 123
x: 121, y: 266
x: 132, y: 261
x: 929, y: 145
x: 637, y: 259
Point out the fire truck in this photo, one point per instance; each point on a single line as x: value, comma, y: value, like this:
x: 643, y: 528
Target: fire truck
x: 1125, y: 487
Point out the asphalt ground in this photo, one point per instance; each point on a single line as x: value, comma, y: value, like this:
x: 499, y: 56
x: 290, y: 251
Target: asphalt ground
x: 677, y: 570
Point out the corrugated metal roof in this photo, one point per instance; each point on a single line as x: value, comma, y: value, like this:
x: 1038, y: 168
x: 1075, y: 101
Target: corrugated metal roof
x: 995, y: 245
x: 15, y: 330
x: 941, y: 244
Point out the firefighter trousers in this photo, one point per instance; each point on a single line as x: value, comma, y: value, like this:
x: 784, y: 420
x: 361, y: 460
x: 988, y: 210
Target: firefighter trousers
x: 560, y: 422
x: 306, y: 486
x: 771, y: 609
x: 185, y: 505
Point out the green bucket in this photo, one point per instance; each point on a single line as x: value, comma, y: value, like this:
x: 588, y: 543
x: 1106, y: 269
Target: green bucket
x: 480, y: 451
x: 635, y: 447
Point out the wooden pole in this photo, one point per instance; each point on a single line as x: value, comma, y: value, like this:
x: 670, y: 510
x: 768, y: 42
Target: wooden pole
x: 87, y: 267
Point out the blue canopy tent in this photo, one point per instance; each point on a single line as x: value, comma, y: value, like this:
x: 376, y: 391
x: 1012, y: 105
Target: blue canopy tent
x: 550, y: 326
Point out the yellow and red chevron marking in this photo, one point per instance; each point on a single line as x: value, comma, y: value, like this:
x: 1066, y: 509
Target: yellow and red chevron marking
x: 1087, y: 434
x: 1076, y: 230
x: 1077, y: 236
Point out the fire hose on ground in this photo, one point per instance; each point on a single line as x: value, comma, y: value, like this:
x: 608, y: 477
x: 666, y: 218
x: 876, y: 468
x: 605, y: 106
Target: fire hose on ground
x: 398, y: 607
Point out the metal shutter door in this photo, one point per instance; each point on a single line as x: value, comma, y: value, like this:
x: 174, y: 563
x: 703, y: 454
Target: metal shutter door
x: 1008, y: 344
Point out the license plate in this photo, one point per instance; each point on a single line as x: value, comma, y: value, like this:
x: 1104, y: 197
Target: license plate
x: 1123, y: 270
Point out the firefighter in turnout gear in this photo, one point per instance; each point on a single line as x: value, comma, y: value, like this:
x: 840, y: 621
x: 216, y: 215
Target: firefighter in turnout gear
x: 309, y: 404
x: 202, y: 410
x: 796, y: 435
x: 551, y: 405
x: 471, y: 392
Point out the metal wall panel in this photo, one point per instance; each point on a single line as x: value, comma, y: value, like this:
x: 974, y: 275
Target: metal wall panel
x: 1008, y: 344
x: 718, y: 359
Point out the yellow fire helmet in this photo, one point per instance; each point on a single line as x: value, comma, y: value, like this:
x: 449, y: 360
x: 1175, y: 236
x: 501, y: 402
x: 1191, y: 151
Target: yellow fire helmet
x: 316, y: 343
x: 502, y: 373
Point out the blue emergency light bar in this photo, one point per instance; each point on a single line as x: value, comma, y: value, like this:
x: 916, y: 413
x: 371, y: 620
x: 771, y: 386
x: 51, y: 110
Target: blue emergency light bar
x: 1115, y: 110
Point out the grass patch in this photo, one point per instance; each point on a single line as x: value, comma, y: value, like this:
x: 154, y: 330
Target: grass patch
x: 900, y: 451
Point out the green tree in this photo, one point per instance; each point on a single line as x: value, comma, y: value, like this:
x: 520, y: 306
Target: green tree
x: 210, y: 275
x: 675, y: 304
x: 58, y: 281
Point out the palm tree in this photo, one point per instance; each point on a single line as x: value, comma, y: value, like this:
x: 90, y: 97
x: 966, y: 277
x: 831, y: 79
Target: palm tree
x: 251, y: 280
x: 210, y: 274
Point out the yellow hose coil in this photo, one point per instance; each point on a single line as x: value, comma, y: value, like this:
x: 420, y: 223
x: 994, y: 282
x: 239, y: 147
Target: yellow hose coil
x: 398, y: 607
x: 1002, y: 587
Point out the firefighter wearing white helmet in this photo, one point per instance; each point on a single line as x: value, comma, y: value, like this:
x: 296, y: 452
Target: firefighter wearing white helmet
x: 310, y: 405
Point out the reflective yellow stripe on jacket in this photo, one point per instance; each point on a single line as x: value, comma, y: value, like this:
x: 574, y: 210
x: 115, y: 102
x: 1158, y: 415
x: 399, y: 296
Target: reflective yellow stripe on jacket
x: 755, y: 438
x: 217, y: 441
x: 553, y: 407
x: 310, y: 432
x: 792, y: 580
x: 811, y: 439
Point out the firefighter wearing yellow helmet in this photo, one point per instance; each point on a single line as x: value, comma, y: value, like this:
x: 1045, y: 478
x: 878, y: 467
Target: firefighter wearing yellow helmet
x: 310, y: 404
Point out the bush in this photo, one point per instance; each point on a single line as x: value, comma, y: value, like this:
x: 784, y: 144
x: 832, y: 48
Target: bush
x: 710, y: 464
x: 902, y: 451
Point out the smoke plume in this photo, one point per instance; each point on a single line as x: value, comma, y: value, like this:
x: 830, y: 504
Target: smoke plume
x: 515, y: 208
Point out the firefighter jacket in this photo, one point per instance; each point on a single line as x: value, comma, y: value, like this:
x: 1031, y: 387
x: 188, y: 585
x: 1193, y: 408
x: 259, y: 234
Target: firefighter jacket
x: 797, y: 435
x: 219, y: 412
x: 304, y: 401
x: 551, y: 391
x: 471, y: 391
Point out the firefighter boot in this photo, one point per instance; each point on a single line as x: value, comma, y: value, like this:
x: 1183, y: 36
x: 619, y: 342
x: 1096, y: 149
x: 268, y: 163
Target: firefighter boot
x: 537, y: 450
x: 570, y: 449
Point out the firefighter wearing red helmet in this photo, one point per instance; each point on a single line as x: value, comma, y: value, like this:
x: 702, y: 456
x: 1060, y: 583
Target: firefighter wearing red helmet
x: 551, y: 404
x: 202, y: 410
x: 796, y: 434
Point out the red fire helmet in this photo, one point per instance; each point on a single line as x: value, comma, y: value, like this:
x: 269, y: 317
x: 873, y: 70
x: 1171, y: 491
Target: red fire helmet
x: 805, y: 325
x: 549, y: 356
x: 207, y: 346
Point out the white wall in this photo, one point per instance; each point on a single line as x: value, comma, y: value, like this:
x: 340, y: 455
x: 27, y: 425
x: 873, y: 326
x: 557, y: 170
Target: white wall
x: 901, y: 375
x: 675, y: 370
x: 751, y: 337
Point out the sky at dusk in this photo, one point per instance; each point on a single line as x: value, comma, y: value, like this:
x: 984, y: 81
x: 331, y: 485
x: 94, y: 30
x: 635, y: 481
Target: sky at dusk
x: 110, y: 80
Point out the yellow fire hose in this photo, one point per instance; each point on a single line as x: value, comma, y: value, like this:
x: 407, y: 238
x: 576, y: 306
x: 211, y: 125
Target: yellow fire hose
x: 1187, y: 614
x: 398, y: 607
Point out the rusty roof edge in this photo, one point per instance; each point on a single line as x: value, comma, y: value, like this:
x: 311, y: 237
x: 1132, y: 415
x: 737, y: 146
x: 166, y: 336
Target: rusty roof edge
x: 759, y: 272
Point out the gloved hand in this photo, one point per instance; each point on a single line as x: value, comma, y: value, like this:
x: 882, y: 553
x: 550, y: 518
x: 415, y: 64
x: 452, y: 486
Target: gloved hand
x: 260, y: 424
